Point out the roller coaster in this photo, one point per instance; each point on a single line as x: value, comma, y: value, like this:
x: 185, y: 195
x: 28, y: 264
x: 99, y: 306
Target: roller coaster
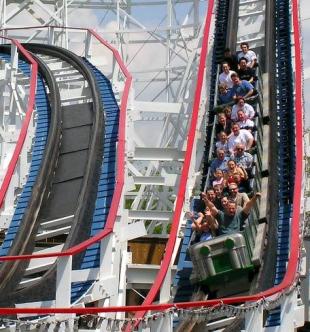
x: 107, y: 138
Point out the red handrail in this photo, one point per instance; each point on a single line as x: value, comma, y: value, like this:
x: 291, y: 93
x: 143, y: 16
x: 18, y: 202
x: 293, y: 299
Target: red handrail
x: 23, y: 132
x: 120, y: 166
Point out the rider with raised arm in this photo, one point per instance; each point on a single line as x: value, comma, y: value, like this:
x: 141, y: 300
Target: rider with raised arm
x: 232, y: 219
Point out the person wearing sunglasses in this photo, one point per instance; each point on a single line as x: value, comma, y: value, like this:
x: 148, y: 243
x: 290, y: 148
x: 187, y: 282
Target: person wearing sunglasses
x: 235, y: 196
x: 242, y: 158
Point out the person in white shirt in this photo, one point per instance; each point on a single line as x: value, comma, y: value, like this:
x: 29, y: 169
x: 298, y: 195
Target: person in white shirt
x: 238, y: 136
x: 248, y: 54
x: 244, y: 122
x: 241, y: 105
x: 225, y: 76
x: 222, y: 144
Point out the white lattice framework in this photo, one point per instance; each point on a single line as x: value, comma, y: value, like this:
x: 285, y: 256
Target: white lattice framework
x: 162, y: 56
x: 159, y: 42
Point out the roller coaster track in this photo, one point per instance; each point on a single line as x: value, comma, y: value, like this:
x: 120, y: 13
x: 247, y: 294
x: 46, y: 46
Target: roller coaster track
x: 291, y: 272
x: 19, y: 239
x: 74, y: 117
x: 289, y: 279
x: 79, y: 139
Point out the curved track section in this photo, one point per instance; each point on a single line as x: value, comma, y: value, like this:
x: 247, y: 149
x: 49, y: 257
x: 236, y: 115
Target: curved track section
x: 69, y: 203
x: 90, y: 258
x: 19, y: 237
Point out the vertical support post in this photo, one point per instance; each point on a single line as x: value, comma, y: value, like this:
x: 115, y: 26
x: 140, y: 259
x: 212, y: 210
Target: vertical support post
x: 6, y: 146
x: 2, y: 108
x: 118, y: 16
x: 63, y: 286
x: 166, y: 288
x: 115, y: 74
x: 63, y: 281
x: 305, y: 278
x: 13, y: 100
x: 61, y: 9
x: 164, y: 323
x: 292, y: 313
x: 65, y: 24
x: 107, y: 266
x: 254, y: 320
x: 106, y: 255
x: 192, y: 174
x: 196, y: 15
x: 51, y: 35
x: 14, y: 64
x: 88, y: 41
x: 168, y: 53
x: 2, y: 17
x: 121, y: 299
x: 125, y: 26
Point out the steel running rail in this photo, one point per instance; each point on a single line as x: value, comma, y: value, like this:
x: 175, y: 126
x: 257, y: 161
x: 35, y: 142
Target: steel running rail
x: 291, y: 274
x: 23, y: 132
x: 120, y: 160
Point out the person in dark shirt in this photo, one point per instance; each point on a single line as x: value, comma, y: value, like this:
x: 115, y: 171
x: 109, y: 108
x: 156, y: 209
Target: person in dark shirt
x: 232, y: 219
x: 219, y: 193
x: 223, y: 124
x: 231, y: 59
x: 228, y: 111
x: 211, y: 195
x: 225, y: 95
x: 245, y: 72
